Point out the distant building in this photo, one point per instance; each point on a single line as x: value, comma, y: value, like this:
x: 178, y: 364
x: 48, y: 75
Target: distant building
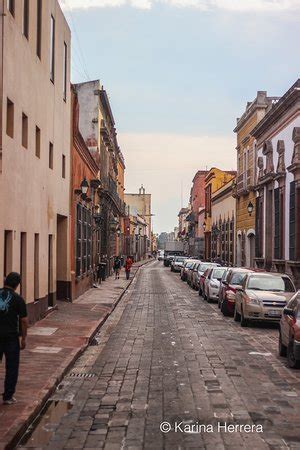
x: 223, y: 224
x: 141, y: 202
x: 197, y: 200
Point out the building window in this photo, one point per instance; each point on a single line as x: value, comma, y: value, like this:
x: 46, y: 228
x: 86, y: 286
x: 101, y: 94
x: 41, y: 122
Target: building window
x: 65, y: 68
x: 8, y: 252
x: 63, y: 166
x: 10, y: 118
x: 24, y: 130
x: 50, y: 155
x: 39, y: 29
x: 26, y: 18
x: 208, y: 201
x: 52, y: 48
x: 37, y: 142
x: 83, y: 240
x: 11, y: 6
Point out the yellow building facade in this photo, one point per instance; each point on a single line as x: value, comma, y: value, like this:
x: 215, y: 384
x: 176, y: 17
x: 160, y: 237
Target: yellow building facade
x: 214, y: 180
x: 246, y: 178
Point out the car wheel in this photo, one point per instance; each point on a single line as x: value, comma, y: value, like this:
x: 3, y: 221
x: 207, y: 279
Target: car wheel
x: 244, y: 322
x: 292, y: 361
x: 282, y: 349
x: 224, y: 309
x: 237, y: 316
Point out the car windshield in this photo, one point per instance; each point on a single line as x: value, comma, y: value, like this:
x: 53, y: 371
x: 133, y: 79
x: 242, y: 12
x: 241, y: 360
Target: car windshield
x: 237, y: 278
x: 218, y: 273
x: 272, y: 284
x: 189, y: 265
x: 179, y: 259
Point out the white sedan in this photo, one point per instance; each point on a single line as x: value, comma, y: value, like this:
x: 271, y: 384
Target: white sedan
x: 212, y: 283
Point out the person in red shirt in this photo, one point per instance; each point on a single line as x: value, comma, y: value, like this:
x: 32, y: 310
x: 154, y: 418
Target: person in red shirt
x: 128, y: 264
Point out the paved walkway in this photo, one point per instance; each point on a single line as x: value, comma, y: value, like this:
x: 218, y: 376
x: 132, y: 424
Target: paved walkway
x: 54, y: 343
x: 166, y: 355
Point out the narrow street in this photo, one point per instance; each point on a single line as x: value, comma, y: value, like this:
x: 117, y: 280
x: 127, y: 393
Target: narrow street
x: 165, y: 355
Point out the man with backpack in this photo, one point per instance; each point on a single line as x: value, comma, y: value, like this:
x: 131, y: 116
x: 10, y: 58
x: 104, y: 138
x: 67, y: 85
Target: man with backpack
x: 13, y: 332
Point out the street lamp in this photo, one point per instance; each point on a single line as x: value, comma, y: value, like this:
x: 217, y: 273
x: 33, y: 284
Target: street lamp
x: 250, y: 208
x: 84, y: 186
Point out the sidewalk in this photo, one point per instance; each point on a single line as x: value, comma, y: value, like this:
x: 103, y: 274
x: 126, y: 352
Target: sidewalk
x: 54, y: 343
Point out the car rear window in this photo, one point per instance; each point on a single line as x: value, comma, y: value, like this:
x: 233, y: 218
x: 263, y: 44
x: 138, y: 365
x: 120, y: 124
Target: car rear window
x: 218, y: 273
x: 203, y: 267
x: 272, y: 284
x: 237, y: 278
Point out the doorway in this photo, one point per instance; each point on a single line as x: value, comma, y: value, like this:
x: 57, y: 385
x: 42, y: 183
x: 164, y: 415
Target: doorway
x: 50, y: 271
x: 62, y: 285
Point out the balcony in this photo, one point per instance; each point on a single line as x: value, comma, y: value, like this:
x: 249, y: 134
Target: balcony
x: 110, y: 192
x: 245, y: 183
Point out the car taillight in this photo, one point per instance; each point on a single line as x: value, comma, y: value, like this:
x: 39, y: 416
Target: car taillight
x: 230, y: 294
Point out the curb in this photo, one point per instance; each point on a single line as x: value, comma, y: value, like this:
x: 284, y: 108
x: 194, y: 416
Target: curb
x: 60, y: 374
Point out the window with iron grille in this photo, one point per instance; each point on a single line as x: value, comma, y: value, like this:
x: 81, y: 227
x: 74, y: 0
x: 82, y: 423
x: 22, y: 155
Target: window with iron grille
x: 78, y: 240
x: 83, y: 240
x: 231, y: 243
x: 292, y: 220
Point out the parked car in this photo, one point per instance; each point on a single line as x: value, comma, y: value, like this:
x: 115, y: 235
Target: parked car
x: 161, y: 255
x: 289, y: 333
x: 262, y: 297
x: 200, y: 276
x: 234, y: 279
x: 212, y: 283
x: 191, y: 271
x: 186, y: 266
x: 177, y: 263
x: 222, y: 285
x: 168, y: 259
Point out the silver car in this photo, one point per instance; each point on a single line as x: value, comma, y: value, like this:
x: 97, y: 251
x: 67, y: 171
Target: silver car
x: 212, y: 283
x: 262, y: 297
x: 177, y: 263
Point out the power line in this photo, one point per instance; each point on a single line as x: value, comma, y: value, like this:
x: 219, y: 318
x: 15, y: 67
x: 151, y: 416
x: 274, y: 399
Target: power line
x: 80, y: 54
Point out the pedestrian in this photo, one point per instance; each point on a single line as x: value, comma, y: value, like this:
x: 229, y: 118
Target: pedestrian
x: 13, y: 332
x: 128, y: 265
x: 117, y: 267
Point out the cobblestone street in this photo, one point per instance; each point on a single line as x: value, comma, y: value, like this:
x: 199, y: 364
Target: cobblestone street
x: 165, y: 355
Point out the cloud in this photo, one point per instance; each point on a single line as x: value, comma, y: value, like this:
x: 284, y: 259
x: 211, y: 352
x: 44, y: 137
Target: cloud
x: 164, y: 162
x: 229, y: 5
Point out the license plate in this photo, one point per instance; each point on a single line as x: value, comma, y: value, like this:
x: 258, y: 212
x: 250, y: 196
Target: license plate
x: 274, y: 313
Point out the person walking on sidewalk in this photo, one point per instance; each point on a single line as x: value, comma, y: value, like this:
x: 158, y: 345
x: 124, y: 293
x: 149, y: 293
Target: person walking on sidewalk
x: 128, y: 265
x: 13, y: 325
x: 117, y: 267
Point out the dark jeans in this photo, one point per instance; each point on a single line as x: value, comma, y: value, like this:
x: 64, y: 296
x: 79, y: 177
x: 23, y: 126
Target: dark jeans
x: 127, y: 274
x: 10, y: 347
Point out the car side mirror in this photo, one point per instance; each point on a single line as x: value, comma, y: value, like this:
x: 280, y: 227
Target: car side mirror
x: 288, y: 312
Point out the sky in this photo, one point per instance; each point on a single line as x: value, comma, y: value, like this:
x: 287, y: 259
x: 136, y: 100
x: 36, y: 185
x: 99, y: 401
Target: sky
x: 178, y: 73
